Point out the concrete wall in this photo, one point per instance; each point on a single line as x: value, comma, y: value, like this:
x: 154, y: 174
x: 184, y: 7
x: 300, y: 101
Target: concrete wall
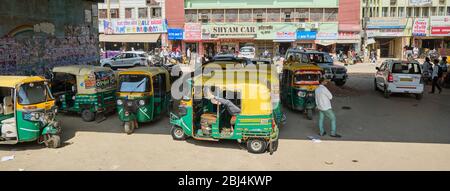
x: 349, y: 15
x: 39, y: 34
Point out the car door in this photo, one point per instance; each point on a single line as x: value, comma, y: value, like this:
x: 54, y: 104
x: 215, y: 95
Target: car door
x: 117, y: 61
x: 379, y: 75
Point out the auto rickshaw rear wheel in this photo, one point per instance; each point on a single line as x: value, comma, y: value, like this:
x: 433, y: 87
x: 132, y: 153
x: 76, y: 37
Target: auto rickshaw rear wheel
x: 256, y: 146
x: 177, y: 133
x: 53, y: 141
x: 87, y: 115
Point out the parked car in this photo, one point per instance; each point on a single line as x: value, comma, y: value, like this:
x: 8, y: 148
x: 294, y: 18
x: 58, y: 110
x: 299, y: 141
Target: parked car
x: 126, y: 60
x: 396, y: 76
x: 247, y: 52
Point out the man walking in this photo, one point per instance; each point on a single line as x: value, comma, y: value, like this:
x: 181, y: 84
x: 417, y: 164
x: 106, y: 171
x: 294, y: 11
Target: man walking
x: 323, y: 101
x: 437, y: 73
x: 188, y: 55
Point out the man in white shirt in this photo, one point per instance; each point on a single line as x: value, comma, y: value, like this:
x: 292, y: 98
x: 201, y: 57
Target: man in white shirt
x: 323, y: 102
x: 188, y: 55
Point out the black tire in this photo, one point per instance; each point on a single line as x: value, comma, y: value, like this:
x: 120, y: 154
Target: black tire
x: 386, y: 93
x: 256, y: 146
x: 53, y: 142
x: 419, y: 96
x: 340, y: 82
x: 107, y: 66
x: 375, y: 84
x: 128, y: 127
x: 309, y: 114
x: 87, y: 115
x: 178, y: 133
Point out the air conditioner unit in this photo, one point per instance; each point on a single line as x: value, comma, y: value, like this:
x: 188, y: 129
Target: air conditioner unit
x: 152, y: 3
x: 287, y: 16
x: 393, y: 2
x: 259, y: 16
x: 204, y: 17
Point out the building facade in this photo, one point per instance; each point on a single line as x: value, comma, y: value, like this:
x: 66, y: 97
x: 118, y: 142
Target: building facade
x: 36, y: 35
x: 393, y: 25
x: 132, y: 24
x: 213, y: 26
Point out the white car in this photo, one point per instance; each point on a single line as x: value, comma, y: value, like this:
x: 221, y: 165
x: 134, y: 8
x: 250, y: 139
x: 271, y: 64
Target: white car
x: 395, y: 76
x: 247, y: 52
x: 126, y: 60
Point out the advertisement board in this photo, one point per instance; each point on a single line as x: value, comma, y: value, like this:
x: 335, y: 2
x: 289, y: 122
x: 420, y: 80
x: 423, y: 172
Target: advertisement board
x: 175, y: 34
x: 192, y: 31
x: 440, y: 26
x: 420, y: 27
x: 136, y: 26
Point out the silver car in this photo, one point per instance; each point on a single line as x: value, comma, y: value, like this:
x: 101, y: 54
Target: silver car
x: 126, y: 60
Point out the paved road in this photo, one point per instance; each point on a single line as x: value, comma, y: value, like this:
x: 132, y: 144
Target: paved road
x: 400, y: 133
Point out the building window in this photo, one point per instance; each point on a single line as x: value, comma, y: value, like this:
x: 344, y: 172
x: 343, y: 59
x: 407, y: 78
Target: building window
x: 143, y: 13
x: 409, y: 12
x: 393, y: 12
x: 191, y: 16
x: 303, y: 15
x: 417, y: 12
x: 448, y: 11
x: 401, y: 12
x: 273, y: 15
x: 217, y: 15
x: 441, y: 11
x: 114, y: 13
x: 156, y: 12
x: 287, y: 15
x: 204, y: 15
x: 384, y: 12
x: 102, y: 13
x: 231, y: 15
x: 316, y: 15
x: 245, y: 15
x: 425, y: 12
x: 432, y: 11
x: 331, y: 15
x: 259, y: 15
x: 128, y: 13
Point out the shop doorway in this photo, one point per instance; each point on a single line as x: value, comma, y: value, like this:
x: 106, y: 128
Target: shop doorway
x: 283, y: 47
x: 209, y: 50
x: 192, y: 46
x: 176, y: 45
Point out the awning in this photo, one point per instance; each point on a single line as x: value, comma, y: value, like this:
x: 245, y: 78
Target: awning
x: 151, y: 38
x: 347, y: 41
x: 284, y: 40
x: 325, y: 42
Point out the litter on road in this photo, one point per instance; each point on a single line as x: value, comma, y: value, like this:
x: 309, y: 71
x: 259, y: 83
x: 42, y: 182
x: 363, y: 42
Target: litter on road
x: 314, y: 139
x: 7, y: 158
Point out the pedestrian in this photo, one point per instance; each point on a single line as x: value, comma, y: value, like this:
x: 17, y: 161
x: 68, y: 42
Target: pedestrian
x: 373, y: 56
x: 427, y: 68
x: 323, y: 101
x: 188, y: 55
x: 443, y: 65
x: 163, y: 54
x: 437, y: 73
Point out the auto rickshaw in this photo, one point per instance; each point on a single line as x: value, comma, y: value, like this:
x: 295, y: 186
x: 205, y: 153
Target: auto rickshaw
x: 299, y: 81
x: 143, y: 96
x: 87, y: 90
x: 203, y: 117
x: 27, y: 111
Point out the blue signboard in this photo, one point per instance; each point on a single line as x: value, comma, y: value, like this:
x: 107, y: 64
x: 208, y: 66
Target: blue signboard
x: 306, y: 35
x: 175, y: 34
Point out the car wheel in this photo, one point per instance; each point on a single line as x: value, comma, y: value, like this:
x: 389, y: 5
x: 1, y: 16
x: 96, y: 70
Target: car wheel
x: 178, y: 133
x: 128, y: 127
x: 107, y: 66
x: 339, y: 82
x: 386, y: 93
x: 419, y: 96
x: 87, y: 115
x: 54, y: 141
x: 256, y: 146
x: 375, y: 85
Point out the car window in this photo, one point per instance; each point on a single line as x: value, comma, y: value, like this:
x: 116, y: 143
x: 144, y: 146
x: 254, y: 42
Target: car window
x: 406, y: 68
x: 247, y: 50
x: 129, y: 55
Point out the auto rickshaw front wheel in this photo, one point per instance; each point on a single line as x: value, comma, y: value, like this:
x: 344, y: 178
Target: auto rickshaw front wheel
x: 256, y: 146
x: 87, y: 115
x: 178, y: 133
x: 309, y: 114
x: 52, y: 141
x: 128, y: 127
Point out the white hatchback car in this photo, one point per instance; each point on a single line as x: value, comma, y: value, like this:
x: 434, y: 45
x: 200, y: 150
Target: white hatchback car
x: 395, y: 76
x: 247, y: 52
x: 126, y: 60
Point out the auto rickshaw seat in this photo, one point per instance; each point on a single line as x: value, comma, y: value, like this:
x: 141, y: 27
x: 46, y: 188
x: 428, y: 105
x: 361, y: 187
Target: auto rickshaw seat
x: 8, y: 106
x: 209, y: 118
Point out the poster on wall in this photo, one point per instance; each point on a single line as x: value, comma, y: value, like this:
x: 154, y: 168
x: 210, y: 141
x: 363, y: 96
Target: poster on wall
x: 420, y: 27
x: 133, y: 26
x: 192, y: 31
x: 440, y: 25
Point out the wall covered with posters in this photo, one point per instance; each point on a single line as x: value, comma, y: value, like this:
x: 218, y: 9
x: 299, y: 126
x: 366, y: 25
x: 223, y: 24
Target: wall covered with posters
x: 39, y: 34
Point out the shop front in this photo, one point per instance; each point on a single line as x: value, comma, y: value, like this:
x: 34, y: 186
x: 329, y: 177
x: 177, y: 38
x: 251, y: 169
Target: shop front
x: 348, y: 41
x: 227, y: 38
x: 440, y: 29
x: 175, y: 37
x: 326, y: 37
x: 391, y: 35
x: 306, y: 39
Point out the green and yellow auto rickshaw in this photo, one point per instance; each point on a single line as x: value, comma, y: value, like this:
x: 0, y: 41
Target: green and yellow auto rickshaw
x: 143, y: 95
x: 83, y: 89
x: 298, y: 84
x: 240, y: 109
x: 27, y: 111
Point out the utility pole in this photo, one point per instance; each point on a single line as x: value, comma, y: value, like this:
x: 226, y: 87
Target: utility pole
x: 365, y: 21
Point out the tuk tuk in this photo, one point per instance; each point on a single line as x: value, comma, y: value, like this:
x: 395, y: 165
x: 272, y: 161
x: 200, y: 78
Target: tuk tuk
x: 27, y: 111
x: 143, y: 96
x: 240, y: 109
x: 299, y: 81
x: 86, y: 90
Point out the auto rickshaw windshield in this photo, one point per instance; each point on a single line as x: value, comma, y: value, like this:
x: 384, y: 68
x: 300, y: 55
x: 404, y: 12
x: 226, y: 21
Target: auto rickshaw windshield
x: 306, y: 77
x: 134, y: 83
x: 34, y: 93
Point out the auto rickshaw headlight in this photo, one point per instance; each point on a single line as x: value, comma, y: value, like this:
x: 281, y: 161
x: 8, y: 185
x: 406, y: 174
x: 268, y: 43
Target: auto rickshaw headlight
x: 141, y: 102
x: 119, y: 102
x: 301, y: 94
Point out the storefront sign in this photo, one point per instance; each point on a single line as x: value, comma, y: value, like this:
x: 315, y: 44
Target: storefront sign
x: 440, y: 25
x: 420, y: 27
x: 175, y: 34
x: 327, y: 31
x: 386, y: 33
x: 133, y: 26
x: 306, y: 35
x: 228, y: 31
x: 285, y: 35
x: 192, y: 31
x: 387, y: 23
x: 349, y: 36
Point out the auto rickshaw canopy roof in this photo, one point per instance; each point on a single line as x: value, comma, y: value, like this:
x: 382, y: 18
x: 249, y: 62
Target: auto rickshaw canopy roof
x: 13, y: 81
x: 299, y: 66
x: 149, y: 71
x: 256, y: 97
x: 80, y: 70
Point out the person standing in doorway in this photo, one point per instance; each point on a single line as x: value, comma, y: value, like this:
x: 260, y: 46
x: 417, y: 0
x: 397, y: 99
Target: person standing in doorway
x: 323, y: 101
x: 188, y: 55
x: 437, y: 73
